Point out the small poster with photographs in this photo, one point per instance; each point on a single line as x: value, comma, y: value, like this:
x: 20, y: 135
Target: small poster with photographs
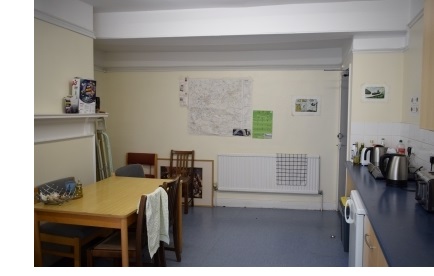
x: 306, y: 106
x: 375, y: 93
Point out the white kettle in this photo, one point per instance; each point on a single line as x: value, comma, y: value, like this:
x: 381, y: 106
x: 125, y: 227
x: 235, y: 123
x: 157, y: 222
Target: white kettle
x: 364, y: 158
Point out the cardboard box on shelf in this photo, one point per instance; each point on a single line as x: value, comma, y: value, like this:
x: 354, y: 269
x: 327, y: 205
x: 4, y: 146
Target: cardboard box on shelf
x: 70, y: 104
x: 85, y: 91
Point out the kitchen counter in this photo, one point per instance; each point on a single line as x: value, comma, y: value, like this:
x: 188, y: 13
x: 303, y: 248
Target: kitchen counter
x: 403, y: 228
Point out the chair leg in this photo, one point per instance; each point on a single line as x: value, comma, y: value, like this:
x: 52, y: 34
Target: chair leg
x: 176, y: 244
x: 89, y: 258
x: 77, y: 253
x: 160, y: 256
x: 186, y: 204
x: 192, y: 197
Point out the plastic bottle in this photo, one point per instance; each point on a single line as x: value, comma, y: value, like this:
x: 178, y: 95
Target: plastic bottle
x: 362, y: 145
x: 356, y: 156
x: 400, y: 149
x: 78, y: 190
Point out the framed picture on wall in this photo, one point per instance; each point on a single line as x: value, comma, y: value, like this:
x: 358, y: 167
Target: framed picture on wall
x: 202, y: 183
x: 375, y: 93
x: 306, y: 106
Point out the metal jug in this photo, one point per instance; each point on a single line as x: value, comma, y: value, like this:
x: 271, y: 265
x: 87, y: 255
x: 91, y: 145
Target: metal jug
x: 394, y: 167
x: 376, y: 153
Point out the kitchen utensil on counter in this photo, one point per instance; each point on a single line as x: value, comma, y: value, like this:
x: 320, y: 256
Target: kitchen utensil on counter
x: 375, y: 154
x: 375, y: 171
x: 394, y: 167
x: 425, y: 190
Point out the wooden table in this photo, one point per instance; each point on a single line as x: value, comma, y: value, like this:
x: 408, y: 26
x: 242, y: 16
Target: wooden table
x: 110, y: 203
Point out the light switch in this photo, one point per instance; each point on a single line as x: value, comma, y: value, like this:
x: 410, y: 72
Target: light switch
x: 414, y: 104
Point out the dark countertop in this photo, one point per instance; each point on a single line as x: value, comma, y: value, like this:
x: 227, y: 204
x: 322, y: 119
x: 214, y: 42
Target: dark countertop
x: 403, y: 228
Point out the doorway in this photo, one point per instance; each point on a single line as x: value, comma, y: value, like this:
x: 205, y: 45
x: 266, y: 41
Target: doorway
x: 343, y: 133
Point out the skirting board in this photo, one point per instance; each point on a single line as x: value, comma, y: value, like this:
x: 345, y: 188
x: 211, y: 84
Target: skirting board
x: 268, y: 203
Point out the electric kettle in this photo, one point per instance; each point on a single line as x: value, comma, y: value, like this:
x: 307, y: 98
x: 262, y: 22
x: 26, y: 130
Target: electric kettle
x: 394, y: 167
x: 365, y: 158
x: 375, y: 154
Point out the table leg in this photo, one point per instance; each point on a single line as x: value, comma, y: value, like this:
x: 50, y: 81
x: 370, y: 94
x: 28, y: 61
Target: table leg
x: 179, y: 220
x: 37, y: 239
x: 124, y: 242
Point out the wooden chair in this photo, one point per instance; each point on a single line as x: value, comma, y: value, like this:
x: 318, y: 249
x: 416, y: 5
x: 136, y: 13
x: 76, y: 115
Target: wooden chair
x: 65, y: 240
x: 137, y: 243
x: 149, y: 160
x: 132, y: 170
x: 182, y: 164
x: 173, y: 188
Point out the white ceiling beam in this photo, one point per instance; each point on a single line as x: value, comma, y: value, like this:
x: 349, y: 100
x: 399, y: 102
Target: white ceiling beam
x: 353, y: 17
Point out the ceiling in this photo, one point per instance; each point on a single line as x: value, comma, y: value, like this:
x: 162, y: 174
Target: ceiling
x: 209, y: 43
x: 153, y: 5
x: 117, y: 47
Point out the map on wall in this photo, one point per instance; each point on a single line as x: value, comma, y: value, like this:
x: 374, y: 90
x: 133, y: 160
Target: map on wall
x: 218, y: 106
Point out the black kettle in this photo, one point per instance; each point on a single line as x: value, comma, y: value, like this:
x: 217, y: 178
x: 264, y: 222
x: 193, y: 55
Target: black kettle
x: 394, y: 168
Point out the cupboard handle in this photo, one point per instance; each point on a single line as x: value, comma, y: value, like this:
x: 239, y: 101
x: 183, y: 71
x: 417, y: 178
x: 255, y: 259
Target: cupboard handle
x: 367, y: 242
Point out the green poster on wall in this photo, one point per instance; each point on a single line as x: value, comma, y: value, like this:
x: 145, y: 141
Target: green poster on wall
x: 262, y: 124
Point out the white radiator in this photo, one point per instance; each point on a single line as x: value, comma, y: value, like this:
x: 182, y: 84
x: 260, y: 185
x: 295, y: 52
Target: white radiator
x: 270, y: 173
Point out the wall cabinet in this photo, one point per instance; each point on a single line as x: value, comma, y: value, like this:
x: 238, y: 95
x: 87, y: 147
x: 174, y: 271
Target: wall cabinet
x: 372, y: 253
x: 427, y: 95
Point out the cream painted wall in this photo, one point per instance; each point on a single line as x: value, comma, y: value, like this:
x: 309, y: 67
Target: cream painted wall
x: 60, y: 55
x: 377, y: 68
x: 413, y: 72
x: 65, y: 158
x: 373, y: 121
x: 145, y: 116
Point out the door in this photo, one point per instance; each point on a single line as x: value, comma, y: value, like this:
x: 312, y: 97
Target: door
x: 343, y: 134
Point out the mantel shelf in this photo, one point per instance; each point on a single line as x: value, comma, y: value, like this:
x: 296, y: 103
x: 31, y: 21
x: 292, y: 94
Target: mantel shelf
x: 69, y: 116
x: 59, y: 127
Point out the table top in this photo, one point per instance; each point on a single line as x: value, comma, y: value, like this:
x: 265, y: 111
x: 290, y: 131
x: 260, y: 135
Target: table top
x: 405, y: 231
x: 115, y: 196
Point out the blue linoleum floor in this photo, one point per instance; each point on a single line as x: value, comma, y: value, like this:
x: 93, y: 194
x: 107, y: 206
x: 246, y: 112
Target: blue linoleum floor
x: 255, y: 237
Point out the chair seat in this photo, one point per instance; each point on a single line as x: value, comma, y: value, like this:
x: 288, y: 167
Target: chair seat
x: 68, y: 230
x: 113, y: 242
x: 139, y: 248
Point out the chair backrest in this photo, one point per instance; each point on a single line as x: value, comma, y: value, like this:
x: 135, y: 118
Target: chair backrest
x: 141, y: 230
x: 181, y: 163
x: 149, y: 160
x: 153, y: 243
x: 173, y: 188
x: 132, y: 170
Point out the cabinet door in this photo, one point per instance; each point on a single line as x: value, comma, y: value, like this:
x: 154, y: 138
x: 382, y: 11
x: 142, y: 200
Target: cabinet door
x: 349, y: 185
x: 427, y: 96
x: 372, y: 253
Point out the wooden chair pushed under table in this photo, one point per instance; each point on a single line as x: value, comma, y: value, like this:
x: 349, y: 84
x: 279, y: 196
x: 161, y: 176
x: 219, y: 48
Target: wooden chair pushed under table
x: 147, y: 160
x: 173, y: 188
x: 64, y: 240
x: 182, y: 164
x: 137, y: 242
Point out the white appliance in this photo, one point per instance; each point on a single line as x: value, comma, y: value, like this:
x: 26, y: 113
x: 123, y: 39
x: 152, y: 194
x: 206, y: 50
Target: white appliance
x: 365, y: 159
x: 355, y: 213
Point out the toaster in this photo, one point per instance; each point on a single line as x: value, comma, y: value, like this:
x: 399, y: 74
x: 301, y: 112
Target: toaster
x: 425, y: 190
